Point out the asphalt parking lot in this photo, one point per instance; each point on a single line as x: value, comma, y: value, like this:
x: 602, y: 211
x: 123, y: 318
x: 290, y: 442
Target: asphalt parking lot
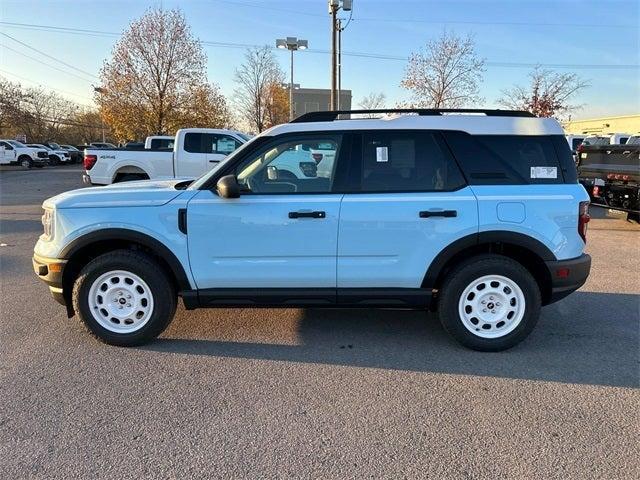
x: 315, y: 393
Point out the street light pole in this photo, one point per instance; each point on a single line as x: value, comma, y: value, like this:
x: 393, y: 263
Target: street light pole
x: 291, y: 89
x: 292, y: 44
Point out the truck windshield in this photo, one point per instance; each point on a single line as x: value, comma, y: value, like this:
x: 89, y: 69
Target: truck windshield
x: 55, y: 146
x: 16, y: 144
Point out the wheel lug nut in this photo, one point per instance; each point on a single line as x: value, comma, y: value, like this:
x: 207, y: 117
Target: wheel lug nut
x: 484, y: 309
x: 483, y: 302
x: 498, y: 303
x: 490, y: 298
x: 129, y: 297
x: 128, y: 304
x: 493, y: 311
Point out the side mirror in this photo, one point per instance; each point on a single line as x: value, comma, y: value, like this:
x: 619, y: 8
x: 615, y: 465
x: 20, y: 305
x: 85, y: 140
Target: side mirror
x: 272, y: 172
x: 228, y: 187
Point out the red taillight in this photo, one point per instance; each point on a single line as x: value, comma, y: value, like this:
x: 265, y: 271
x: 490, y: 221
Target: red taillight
x: 90, y: 161
x: 596, y: 191
x: 317, y: 157
x: 580, y: 148
x: 610, y: 176
x: 625, y: 177
x: 583, y: 219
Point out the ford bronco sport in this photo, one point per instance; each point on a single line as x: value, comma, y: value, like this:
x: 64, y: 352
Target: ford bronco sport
x: 476, y: 214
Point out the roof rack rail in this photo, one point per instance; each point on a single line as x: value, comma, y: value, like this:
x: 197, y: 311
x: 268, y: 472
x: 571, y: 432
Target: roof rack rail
x: 330, y: 116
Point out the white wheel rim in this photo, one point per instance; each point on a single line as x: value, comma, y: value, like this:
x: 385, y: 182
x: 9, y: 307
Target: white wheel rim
x: 120, y: 301
x: 491, y: 306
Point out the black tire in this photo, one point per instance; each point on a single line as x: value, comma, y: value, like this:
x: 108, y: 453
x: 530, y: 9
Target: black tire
x: 54, y: 160
x: 165, y: 299
x: 25, y: 162
x: 474, y: 268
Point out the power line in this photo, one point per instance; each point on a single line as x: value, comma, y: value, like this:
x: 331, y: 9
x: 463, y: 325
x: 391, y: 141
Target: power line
x: 47, y: 55
x: 42, y: 62
x: 438, y: 22
x: 595, y: 66
x: 6, y: 72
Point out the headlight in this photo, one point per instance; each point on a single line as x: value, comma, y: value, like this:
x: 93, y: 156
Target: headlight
x: 48, y: 224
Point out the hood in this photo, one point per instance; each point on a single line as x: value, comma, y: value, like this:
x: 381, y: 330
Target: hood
x: 144, y: 193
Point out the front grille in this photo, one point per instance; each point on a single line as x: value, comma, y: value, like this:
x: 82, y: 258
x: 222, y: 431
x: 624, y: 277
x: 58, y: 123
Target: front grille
x: 42, y: 155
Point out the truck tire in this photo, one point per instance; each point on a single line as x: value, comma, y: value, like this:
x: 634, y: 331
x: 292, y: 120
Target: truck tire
x: 130, y: 177
x: 25, y: 161
x: 489, y: 303
x: 54, y: 160
x: 124, y: 298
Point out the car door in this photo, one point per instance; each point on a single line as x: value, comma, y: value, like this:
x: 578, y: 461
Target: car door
x: 3, y: 149
x: 192, y: 157
x: 407, y: 202
x: 283, y: 230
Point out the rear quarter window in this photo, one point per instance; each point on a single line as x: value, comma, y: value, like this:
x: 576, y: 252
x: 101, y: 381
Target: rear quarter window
x: 512, y: 159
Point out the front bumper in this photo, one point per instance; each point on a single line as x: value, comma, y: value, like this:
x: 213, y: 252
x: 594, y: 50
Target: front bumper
x: 567, y: 276
x: 50, y: 271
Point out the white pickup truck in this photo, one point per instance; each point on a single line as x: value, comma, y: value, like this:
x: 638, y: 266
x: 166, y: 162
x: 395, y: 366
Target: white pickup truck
x: 12, y: 152
x: 195, y: 151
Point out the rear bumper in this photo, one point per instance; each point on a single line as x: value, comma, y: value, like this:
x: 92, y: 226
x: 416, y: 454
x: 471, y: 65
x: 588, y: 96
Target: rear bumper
x: 50, y: 271
x: 567, y: 276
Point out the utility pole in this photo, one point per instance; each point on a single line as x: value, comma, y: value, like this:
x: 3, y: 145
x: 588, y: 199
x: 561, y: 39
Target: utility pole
x: 339, y: 61
x: 334, y: 6
x: 336, y: 48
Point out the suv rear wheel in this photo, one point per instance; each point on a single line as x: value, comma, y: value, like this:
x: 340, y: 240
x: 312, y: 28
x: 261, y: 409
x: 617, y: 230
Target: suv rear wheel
x: 124, y: 298
x: 489, y: 303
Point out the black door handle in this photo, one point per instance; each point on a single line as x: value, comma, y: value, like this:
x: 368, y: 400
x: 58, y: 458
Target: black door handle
x: 438, y: 213
x: 307, y: 214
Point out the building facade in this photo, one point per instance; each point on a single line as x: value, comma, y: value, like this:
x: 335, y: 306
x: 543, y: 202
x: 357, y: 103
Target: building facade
x: 621, y: 124
x: 307, y: 100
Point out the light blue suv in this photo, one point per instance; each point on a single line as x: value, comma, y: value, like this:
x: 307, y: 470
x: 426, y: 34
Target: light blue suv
x: 476, y: 214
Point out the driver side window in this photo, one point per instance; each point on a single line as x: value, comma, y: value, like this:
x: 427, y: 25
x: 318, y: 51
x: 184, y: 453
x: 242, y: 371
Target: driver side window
x: 301, y: 165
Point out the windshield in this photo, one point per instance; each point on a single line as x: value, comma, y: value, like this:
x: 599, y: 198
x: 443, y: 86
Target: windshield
x: 634, y: 140
x: 198, y: 182
x: 55, y: 146
x: 15, y: 143
x: 243, y: 136
x: 70, y: 147
x: 37, y: 145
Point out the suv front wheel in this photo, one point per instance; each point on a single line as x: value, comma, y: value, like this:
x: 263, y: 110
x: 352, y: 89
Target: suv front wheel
x: 124, y: 298
x: 489, y: 303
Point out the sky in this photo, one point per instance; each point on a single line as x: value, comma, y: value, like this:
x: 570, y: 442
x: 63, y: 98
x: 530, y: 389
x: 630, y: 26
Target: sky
x: 598, y: 40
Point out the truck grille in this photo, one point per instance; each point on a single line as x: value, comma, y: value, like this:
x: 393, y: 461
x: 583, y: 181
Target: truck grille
x: 42, y: 155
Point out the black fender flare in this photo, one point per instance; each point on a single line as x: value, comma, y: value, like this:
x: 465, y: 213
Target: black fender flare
x: 115, y: 234
x: 494, y: 236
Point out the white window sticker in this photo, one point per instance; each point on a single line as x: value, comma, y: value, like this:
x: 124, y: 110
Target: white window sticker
x: 382, y: 154
x: 544, y: 172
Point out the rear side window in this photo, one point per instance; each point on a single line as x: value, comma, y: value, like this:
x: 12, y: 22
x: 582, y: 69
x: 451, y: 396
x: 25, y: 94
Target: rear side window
x: 509, y: 159
x: 396, y: 161
x: 160, y: 143
x: 210, y: 143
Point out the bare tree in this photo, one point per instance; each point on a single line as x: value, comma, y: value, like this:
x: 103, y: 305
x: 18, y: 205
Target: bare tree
x: 257, y: 81
x: 152, y: 75
x: 373, y: 101
x: 547, y: 95
x: 446, y: 74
